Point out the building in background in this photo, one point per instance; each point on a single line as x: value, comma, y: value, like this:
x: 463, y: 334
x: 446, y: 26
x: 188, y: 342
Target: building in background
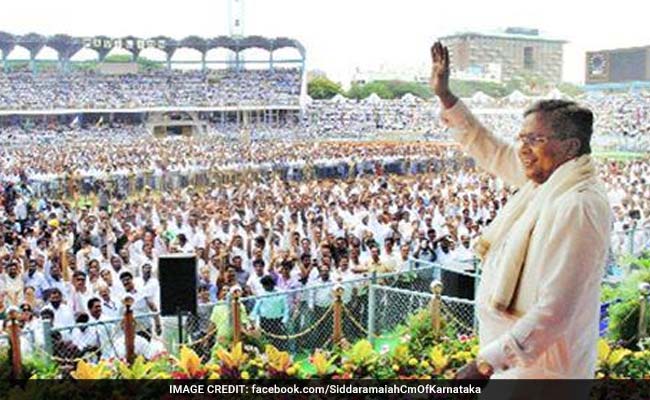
x: 501, y: 55
x: 618, y: 67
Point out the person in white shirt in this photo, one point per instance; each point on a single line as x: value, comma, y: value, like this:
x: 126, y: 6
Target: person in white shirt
x: 55, y: 280
x: 319, y: 302
x: 149, y: 284
x: 141, y: 302
x: 33, y: 324
x: 35, y: 279
x: 148, y: 349
x: 110, y: 308
x: 543, y: 256
x: 63, y: 315
x: 254, y: 283
x: 111, y: 282
x: 13, y: 284
x: 105, y: 331
x: 84, y: 337
x: 79, y: 293
x: 86, y: 253
x: 444, y: 252
x: 463, y: 253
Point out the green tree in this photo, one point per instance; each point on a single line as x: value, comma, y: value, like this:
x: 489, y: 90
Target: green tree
x: 321, y: 87
x: 400, y: 88
x: 392, y: 89
x: 118, y: 58
x: 468, y: 88
x: 361, y: 91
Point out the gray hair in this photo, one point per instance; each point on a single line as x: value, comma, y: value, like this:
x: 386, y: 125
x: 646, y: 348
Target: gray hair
x: 567, y: 120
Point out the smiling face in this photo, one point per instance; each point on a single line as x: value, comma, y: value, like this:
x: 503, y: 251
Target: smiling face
x: 539, y: 150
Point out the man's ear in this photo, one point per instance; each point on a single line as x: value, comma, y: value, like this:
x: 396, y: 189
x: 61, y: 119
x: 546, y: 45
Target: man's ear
x: 572, y: 147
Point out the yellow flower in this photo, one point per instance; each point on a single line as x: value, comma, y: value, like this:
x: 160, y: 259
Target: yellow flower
x: 323, y: 365
x: 608, y: 356
x: 88, y: 371
x: 474, y: 350
x: 278, y: 360
x: 426, y: 377
x: 413, y: 362
x: 214, y: 375
x: 424, y: 364
x: 362, y: 353
x: 189, y: 361
x: 401, y: 354
x: 245, y: 375
x: 395, y: 367
x: 232, y: 359
x: 463, y: 356
x: 291, y: 371
x: 438, y: 359
x: 138, y: 370
x: 603, y: 350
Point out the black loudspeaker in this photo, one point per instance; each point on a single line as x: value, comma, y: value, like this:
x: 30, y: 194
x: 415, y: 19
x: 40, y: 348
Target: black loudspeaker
x: 177, y: 277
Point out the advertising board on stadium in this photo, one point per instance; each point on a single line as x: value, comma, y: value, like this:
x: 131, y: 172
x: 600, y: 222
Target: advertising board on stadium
x: 128, y: 44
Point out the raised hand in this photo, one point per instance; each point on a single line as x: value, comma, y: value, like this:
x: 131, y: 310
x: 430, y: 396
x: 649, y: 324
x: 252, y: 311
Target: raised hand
x: 440, y: 72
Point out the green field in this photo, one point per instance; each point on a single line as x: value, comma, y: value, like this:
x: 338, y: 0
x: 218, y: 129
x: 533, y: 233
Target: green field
x: 620, y: 155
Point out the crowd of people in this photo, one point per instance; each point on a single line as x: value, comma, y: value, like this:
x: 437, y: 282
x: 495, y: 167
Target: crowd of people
x: 77, y: 260
x: 130, y: 159
x: 622, y: 119
x: 87, y: 209
x: 159, y: 88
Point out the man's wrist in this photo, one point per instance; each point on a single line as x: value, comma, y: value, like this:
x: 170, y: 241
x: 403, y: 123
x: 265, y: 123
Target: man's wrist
x: 448, y: 99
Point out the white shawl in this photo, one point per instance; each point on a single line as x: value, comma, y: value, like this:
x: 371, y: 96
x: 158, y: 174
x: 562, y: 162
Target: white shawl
x: 510, y: 232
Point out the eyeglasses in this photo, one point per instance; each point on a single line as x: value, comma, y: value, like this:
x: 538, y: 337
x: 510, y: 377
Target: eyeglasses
x: 534, y: 140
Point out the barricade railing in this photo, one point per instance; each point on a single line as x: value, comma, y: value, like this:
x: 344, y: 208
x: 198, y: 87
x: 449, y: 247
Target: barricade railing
x: 123, y: 185
x: 376, y: 307
x: 628, y: 244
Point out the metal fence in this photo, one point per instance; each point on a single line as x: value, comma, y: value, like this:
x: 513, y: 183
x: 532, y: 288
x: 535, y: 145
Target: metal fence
x: 630, y: 243
x: 298, y: 321
x: 376, y: 307
x: 123, y: 185
x: 105, y: 339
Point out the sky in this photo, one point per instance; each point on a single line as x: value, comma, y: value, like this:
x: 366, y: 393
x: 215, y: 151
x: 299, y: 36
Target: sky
x: 343, y: 35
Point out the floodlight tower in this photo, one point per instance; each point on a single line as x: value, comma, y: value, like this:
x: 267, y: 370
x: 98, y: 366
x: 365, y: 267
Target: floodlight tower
x: 235, y: 29
x: 236, y: 18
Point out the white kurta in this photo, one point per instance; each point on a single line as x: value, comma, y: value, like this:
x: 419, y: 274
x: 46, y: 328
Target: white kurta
x: 556, y: 334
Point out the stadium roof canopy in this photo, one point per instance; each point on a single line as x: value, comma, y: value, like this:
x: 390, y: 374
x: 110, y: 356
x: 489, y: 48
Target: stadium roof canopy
x: 67, y: 46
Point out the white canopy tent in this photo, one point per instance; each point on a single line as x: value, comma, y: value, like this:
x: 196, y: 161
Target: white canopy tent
x: 557, y: 94
x: 373, y: 98
x: 481, y: 98
x: 408, y: 98
x: 516, y: 97
x: 339, y: 98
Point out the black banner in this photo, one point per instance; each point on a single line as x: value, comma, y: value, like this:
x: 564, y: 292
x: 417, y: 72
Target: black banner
x: 326, y: 389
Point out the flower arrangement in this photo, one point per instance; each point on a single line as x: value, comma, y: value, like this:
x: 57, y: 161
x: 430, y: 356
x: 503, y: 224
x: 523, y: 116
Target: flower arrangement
x: 359, y: 360
x: 615, y: 362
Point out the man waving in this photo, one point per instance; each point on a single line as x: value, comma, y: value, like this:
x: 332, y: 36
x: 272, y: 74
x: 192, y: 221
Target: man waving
x: 544, y: 255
